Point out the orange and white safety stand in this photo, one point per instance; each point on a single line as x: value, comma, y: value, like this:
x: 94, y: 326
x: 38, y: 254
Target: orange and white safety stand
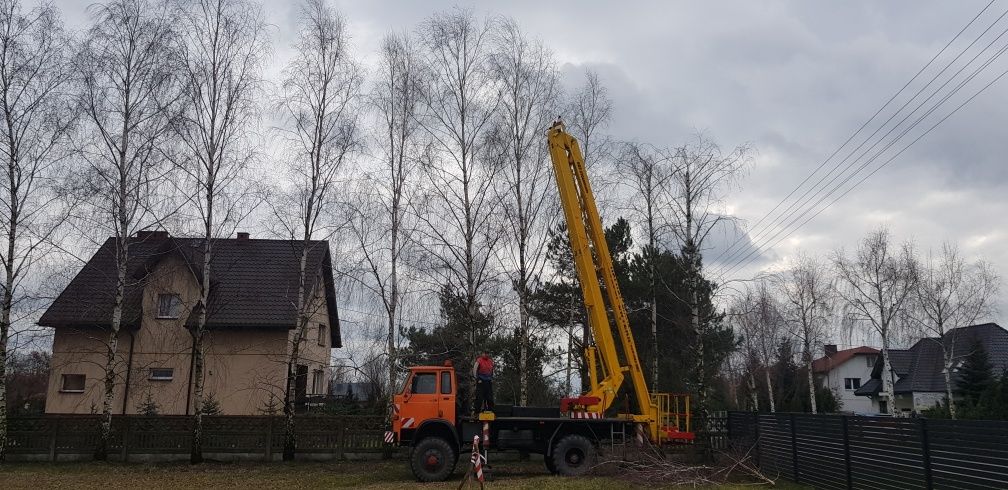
x: 476, y: 466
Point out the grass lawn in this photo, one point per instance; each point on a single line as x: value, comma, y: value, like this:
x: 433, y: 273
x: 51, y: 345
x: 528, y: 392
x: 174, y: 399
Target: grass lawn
x: 261, y: 476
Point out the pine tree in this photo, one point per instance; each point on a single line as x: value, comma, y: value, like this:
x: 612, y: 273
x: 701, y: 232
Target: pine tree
x: 148, y: 406
x: 976, y: 374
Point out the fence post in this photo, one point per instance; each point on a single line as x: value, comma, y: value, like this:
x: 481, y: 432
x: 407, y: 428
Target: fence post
x: 756, y: 436
x: 794, y: 449
x: 342, y: 440
x: 925, y: 452
x: 52, y: 439
x: 269, y: 438
x: 125, y: 438
x: 846, y: 453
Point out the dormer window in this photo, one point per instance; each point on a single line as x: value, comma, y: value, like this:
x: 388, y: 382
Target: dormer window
x: 169, y: 305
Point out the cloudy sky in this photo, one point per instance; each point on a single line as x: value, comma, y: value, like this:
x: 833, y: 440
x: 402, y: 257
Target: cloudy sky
x: 793, y: 79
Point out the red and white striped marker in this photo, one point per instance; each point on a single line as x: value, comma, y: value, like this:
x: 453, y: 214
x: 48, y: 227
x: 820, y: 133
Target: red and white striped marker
x: 585, y: 415
x: 477, y: 459
x: 408, y: 423
x: 389, y: 437
x: 639, y: 429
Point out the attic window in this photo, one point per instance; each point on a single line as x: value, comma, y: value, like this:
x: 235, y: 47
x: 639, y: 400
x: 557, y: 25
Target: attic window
x: 322, y: 335
x: 169, y: 305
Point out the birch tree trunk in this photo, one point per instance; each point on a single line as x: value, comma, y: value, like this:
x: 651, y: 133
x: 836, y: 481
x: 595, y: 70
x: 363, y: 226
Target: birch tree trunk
x: 770, y: 392
x: 811, y: 384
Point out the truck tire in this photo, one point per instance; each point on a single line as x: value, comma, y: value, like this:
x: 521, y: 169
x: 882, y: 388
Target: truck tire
x: 548, y: 458
x: 432, y: 459
x: 573, y: 455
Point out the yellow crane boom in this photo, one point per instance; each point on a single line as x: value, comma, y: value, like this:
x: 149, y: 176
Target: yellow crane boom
x: 592, y: 262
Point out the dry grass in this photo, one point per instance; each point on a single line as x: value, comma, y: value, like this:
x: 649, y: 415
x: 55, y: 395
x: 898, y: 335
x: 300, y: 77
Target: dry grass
x: 260, y: 476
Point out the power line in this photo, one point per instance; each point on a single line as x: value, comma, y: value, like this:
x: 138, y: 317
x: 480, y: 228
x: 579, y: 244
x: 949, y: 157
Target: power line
x: 733, y: 251
x: 873, y: 172
x: 976, y: 72
x: 776, y: 222
x: 861, y: 128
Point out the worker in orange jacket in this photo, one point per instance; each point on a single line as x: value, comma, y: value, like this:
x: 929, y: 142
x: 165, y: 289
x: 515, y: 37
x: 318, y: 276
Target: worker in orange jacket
x: 483, y: 372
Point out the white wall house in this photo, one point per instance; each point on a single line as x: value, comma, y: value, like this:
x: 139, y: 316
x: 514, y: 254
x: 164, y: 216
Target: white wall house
x: 844, y: 372
x: 919, y: 372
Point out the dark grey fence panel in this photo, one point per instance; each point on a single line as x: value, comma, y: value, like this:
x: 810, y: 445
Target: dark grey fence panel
x: 830, y: 451
x: 776, y: 454
x: 820, y: 445
x: 78, y: 435
x: 968, y: 454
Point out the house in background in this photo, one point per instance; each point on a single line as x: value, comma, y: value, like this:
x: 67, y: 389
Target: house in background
x: 251, y: 316
x: 919, y: 372
x: 843, y: 372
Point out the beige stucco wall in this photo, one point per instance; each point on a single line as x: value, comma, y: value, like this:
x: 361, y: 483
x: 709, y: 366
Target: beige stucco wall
x: 244, y: 368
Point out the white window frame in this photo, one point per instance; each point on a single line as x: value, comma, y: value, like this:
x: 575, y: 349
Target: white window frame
x: 318, y: 382
x: 154, y: 377
x: 63, y: 378
x: 849, y: 382
x: 170, y: 315
x: 322, y: 334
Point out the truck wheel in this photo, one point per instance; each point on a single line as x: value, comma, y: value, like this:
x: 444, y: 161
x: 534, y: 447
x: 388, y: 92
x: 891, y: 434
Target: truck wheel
x: 574, y: 455
x: 432, y: 459
x: 549, y: 464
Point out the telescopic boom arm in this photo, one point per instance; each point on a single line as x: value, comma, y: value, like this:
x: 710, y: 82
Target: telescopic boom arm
x: 592, y: 260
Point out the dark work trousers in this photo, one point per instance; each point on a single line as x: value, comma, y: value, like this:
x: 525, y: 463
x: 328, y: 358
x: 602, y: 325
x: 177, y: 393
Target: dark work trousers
x: 484, y: 395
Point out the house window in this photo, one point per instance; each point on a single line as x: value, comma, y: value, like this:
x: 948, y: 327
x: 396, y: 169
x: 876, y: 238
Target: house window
x: 851, y: 384
x: 318, y: 382
x: 73, y: 383
x: 169, y: 305
x: 870, y: 361
x: 321, y: 335
x: 161, y: 374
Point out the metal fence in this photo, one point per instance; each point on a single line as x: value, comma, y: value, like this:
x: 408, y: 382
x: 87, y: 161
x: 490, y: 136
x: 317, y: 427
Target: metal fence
x: 837, y: 451
x: 72, y: 436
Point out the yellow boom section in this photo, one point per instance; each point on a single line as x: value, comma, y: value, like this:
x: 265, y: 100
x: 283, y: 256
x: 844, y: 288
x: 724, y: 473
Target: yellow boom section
x: 592, y: 260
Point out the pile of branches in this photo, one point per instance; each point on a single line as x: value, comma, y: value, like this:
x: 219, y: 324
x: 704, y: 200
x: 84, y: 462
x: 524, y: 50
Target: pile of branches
x: 649, y: 466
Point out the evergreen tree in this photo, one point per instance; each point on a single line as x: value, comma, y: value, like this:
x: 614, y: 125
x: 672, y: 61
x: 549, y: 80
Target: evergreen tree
x: 976, y: 374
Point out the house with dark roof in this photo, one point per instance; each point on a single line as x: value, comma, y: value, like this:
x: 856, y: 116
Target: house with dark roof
x: 919, y: 372
x: 251, y: 315
x: 843, y: 372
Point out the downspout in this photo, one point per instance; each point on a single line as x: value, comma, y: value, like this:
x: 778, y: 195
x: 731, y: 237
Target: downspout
x: 129, y: 371
x: 192, y: 359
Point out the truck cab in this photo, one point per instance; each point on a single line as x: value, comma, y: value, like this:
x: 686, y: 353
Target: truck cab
x: 424, y: 417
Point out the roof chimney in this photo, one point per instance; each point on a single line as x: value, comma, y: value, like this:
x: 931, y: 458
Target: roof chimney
x: 830, y: 350
x: 242, y: 235
x: 152, y: 234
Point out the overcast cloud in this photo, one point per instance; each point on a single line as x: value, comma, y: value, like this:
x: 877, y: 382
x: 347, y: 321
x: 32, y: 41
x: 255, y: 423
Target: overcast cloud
x: 794, y: 79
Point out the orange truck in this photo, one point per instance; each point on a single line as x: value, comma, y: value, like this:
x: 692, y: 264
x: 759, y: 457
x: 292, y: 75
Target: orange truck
x: 427, y: 417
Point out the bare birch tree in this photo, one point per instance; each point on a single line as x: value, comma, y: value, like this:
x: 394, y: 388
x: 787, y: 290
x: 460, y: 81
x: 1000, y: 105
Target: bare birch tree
x: 382, y: 225
x: 807, y: 291
x: 875, y: 286
x: 321, y: 94
x: 703, y: 175
x: 527, y: 78
x: 951, y: 294
x: 459, y: 219
x: 648, y: 172
x: 757, y: 316
x: 34, y: 76
x: 224, y: 45
x: 129, y: 99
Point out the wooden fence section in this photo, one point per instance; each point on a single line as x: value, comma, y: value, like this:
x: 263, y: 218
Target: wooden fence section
x: 52, y: 436
x: 844, y: 452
